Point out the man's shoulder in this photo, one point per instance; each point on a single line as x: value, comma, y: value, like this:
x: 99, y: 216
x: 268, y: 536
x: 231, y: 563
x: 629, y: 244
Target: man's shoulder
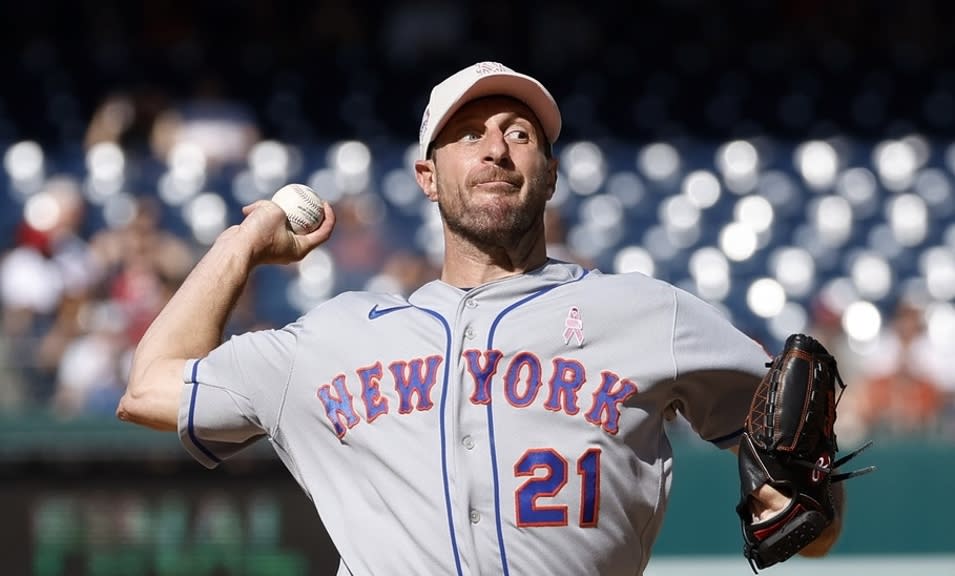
x: 358, y: 304
x: 628, y: 281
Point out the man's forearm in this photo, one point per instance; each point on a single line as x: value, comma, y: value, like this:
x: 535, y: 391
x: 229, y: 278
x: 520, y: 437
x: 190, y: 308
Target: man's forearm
x: 190, y: 325
x: 192, y: 322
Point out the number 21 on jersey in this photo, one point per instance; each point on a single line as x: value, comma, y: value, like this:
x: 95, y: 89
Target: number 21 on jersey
x: 532, y: 513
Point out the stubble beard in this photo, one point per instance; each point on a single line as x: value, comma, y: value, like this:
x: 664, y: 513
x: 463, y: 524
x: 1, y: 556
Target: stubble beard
x: 501, y: 223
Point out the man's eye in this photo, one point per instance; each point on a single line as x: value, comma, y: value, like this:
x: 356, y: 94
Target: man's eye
x: 470, y: 136
x: 518, y: 134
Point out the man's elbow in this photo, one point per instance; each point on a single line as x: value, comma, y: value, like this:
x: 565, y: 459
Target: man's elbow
x: 154, y: 408
x: 126, y: 410
x: 134, y: 409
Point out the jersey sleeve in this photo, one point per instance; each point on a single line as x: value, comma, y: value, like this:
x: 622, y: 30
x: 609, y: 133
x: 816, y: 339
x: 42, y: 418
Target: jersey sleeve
x: 234, y: 395
x: 717, y: 368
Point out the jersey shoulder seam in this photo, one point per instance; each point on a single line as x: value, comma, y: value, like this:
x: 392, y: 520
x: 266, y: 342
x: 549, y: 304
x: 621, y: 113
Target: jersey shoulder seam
x: 288, y: 384
x: 673, y: 326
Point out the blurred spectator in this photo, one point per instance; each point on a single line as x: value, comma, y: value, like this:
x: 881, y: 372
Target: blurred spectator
x: 360, y: 244
x: 93, y: 369
x: 30, y: 292
x: 126, y: 118
x: 898, y: 388
x: 143, y: 264
x: 72, y: 309
x: 43, y: 281
x: 139, y: 265
x: 224, y: 129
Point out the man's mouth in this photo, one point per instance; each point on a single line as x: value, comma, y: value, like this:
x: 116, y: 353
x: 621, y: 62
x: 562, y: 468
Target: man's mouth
x: 496, y: 185
x: 493, y: 178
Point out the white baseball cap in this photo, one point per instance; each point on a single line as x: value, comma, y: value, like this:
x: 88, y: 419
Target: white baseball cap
x: 486, y: 79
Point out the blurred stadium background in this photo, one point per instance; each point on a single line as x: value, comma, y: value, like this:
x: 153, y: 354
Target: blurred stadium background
x: 791, y: 162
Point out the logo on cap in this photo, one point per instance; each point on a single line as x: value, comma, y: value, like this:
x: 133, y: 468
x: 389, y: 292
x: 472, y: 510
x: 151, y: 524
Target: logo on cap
x: 424, y: 121
x: 482, y: 68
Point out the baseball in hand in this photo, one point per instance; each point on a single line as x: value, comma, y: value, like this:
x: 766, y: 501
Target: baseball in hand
x: 302, y: 207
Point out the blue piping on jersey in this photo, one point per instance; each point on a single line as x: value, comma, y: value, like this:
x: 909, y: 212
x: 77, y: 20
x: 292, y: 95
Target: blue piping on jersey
x: 192, y: 411
x: 490, y: 420
x: 729, y: 436
x: 444, y: 437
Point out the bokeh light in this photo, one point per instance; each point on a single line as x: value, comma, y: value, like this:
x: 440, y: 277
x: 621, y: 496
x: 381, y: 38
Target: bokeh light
x: 659, y: 161
x: 860, y: 188
x: 795, y: 270
x: 908, y: 218
x: 738, y: 162
x: 765, y: 297
x: 937, y: 265
x: 206, y: 216
x: 895, y: 162
x: 584, y: 165
x: 738, y: 241
x: 862, y: 321
x: 817, y: 163
x: 701, y: 188
x: 634, y: 259
x: 711, y: 273
x: 831, y: 218
x: 871, y: 274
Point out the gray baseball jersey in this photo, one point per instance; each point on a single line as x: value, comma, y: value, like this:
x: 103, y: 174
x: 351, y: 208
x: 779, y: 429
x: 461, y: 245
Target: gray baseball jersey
x: 514, y: 428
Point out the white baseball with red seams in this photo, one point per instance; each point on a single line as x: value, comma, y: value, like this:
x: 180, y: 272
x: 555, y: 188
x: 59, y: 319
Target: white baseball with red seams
x: 302, y: 207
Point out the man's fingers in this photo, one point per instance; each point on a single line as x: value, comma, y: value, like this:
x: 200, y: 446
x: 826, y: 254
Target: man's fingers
x: 766, y: 502
x: 249, y: 208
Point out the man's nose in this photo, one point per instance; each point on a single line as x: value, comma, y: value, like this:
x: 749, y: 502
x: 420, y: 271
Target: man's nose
x: 495, y: 147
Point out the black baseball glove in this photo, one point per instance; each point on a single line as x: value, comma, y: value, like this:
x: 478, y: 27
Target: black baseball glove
x: 789, y: 443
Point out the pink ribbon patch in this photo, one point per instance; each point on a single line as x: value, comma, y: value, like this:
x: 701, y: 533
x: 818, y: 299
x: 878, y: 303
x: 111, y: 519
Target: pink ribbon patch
x: 574, y: 327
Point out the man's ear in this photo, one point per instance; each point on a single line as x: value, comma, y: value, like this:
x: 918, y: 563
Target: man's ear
x: 551, y: 176
x: 424, y: 174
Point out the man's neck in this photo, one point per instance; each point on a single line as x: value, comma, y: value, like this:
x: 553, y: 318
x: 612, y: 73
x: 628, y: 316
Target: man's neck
x: 467, y: 265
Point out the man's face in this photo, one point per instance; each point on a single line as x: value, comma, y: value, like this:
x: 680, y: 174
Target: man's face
x: 492, y: 178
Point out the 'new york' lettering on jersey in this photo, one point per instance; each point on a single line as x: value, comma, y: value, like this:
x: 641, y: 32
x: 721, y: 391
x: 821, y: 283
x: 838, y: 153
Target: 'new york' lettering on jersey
x: 523, y: 381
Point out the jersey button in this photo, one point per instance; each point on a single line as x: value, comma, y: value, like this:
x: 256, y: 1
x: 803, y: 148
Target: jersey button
x: 468, y: 442
x: 471, y: 303
x: 475, y: 516
x: 469, y: 333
